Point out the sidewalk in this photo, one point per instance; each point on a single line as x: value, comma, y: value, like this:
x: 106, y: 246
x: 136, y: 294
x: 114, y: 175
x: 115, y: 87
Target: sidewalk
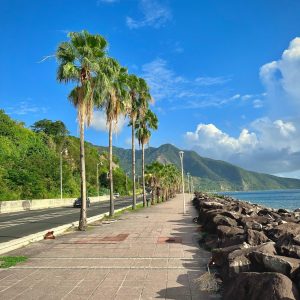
x: 126, y: 259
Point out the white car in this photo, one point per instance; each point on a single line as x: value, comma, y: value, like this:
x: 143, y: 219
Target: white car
x: 116, y: 195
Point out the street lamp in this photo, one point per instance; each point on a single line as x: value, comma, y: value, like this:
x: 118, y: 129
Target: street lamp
x: 64, y: 151
x: 182, y: 179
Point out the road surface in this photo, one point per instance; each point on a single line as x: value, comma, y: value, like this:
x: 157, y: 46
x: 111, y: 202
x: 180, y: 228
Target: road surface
x: 19, y: 224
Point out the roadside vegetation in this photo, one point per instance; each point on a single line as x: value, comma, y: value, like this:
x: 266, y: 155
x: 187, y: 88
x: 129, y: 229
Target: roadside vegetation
x: 10, y: 261
x: 30, y: 158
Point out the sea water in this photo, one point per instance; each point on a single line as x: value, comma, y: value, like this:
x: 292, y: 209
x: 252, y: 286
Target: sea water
x: 288, y: 199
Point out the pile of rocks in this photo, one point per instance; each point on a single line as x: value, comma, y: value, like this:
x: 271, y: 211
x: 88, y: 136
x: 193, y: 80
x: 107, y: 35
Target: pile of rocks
x: 255, y: 249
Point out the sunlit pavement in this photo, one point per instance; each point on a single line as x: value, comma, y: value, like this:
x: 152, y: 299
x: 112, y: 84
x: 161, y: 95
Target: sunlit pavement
x: 148, y: 254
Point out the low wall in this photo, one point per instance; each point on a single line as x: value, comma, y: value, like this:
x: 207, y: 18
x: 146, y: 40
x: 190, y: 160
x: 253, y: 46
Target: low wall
x: 21, y: 205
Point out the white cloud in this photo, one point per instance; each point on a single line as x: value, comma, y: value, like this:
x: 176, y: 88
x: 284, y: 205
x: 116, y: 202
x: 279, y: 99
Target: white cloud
x: 24, y: 108
x: 106, y: 1
x: 272, y: 147
x: 257, y: 103
x: 154, y: 14
x: 281, y: 79
x: 99, y: 122
x: 165, y: 84
x: 128, y: 142
x: 207, y: 81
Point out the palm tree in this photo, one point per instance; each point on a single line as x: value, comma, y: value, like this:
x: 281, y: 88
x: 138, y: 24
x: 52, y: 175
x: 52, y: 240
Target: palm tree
x: 115, y: 94
x: 139, y: 99
x: 78, y: 63
x: 143, y: 134
x: 153, y: 177
x: 132, y: 112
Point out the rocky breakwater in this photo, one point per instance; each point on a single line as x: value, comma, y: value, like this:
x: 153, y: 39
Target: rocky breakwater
x: 255, y: 250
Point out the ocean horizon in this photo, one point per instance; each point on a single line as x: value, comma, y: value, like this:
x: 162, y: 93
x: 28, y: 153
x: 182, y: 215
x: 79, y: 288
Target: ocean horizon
x: 287, y: 199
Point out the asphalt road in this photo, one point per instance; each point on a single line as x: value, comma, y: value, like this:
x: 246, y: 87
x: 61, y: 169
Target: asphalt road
x: 20, y: 224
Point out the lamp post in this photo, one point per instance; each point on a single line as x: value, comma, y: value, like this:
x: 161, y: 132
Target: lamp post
x: 64, y: 151
x: 182, y: 178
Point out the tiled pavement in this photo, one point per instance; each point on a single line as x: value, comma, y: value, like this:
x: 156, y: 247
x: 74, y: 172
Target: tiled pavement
x: 130, y: 258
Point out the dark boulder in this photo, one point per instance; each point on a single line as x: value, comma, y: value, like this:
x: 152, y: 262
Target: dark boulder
x: 211, y: 205
x: 255, y: 237
x: 212, y: 219
x: 260, y: 286
x: 239, y: 260
x: 286, y: 228
x: 220, y: 255
x: 229, y: 236
x: 275, y: 263
x: 288, y: 245
x: 263, y: 220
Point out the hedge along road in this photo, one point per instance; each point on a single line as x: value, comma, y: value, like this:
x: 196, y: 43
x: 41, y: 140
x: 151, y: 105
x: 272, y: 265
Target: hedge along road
x: 20, y: 224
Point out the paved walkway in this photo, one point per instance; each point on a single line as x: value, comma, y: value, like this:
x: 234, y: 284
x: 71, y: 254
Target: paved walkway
x: 148, y: 254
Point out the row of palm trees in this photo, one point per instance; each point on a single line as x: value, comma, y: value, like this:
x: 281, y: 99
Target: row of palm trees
x: 100, y: 82
x: 164, y: 181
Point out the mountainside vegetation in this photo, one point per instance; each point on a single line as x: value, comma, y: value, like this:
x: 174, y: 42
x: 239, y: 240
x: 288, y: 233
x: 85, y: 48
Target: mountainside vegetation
x: 30, y: 162
x: 30, y: 165
x: 208, y: 174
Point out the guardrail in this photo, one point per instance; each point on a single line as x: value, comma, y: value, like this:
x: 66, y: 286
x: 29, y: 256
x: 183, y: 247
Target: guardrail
x: 23, y: 205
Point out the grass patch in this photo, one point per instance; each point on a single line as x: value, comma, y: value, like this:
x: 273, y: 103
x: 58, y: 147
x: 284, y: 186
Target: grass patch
x: 119, y: 213
x: 10, y: 261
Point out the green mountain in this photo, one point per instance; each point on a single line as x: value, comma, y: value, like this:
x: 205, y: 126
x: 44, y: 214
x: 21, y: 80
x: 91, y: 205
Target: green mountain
x: 208, y: 174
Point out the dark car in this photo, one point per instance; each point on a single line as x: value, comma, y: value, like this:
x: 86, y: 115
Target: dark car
x: 78, y: 202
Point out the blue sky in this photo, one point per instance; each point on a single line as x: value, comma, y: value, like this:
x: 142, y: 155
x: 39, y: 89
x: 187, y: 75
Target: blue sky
x: 224, y: 74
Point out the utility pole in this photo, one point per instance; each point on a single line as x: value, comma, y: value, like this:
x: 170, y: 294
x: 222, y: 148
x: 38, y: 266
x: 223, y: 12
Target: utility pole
x: 182, y: 178
x: 126, y: 182
x: 64, y: 151
x: 98, y: 184
x: 189, y: 187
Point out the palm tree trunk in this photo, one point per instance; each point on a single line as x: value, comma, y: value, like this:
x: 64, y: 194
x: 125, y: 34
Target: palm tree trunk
x: 143, y: 174
x: 133, y: 165
x: 152, y: 196
x: 112, y: 205
x: 82, y: 219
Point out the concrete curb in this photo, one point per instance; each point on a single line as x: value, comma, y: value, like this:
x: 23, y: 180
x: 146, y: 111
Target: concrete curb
x: 21, y: 242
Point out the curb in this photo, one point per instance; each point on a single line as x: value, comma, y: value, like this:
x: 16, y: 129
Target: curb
x: 21, y: 242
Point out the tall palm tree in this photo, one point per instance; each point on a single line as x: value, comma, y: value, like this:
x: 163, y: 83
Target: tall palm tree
x: 143, y: 134
x: 115, y: 95
x: 78, y: 63
x: 132, y: 112
x: 138, y: 105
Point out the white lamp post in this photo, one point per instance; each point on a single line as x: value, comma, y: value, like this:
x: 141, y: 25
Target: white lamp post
x: 64, y: 151
x: 182, y: 179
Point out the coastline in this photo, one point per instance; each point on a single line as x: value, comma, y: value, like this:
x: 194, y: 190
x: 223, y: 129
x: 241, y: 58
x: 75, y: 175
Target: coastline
x: 251, y: 244
x: 284, y: 198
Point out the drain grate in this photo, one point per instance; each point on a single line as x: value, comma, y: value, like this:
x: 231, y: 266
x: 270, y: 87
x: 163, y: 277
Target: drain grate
x: 169, y: 240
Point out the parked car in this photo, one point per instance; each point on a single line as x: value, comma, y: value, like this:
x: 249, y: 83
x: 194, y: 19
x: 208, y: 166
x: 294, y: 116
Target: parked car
x: 116, y: 195
x: 78, y: 202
